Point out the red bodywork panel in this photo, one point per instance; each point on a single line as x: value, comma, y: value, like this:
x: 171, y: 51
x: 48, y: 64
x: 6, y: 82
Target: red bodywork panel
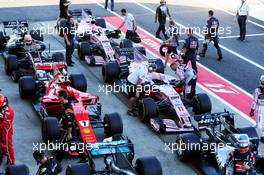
x: 49, y: 66
x: 53, y: 106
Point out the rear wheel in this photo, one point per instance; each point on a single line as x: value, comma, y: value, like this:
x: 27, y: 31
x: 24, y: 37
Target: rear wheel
x: 113, y: 125
x: 58, y: 57
x: 17, y: 170
x: 110, y: 71
x: 79, y: 82
x: 79, y: 169
x: 11, y: 64
x: 84, y: 49
x: 147, y: 109
x: 192, y: 141
x: 2, y: 40
x: 27, y: 87
x: 148, y: 166
x: 126, y: 43
x: 100, y: 22
x: 202, y: 104
x: 36, y: 35
x: 50, y: 129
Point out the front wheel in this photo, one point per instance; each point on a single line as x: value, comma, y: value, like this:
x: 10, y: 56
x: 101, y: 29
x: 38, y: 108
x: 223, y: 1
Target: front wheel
x: 110, y: 71
x: 147, y: 109
x: 148, y: 166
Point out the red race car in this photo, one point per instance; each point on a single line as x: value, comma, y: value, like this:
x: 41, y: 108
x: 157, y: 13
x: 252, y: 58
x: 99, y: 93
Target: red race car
x: 86, y: 110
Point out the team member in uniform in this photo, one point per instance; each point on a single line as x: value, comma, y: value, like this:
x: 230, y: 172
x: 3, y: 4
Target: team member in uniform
x: 68, y: 33
x: 187, y: 74
x: 130, y: 22
x: 161, y: 14
x: 173, y: 40
x: 258, y: 103
x: 48, y: 165
x: 212, y: 35
x: 242, y: 157
x: 6, y: 130
x: 190, y: 49
x: 242, y: 17
x: 68, y: 117
x: 134, y: 81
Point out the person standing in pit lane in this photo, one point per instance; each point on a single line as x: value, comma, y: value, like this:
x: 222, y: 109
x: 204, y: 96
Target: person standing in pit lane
x: 212, y: 35
x: 6, y: 130
x: 258, y: 104
x: 162, y: 12
x: 190, y: 49
x: 242, y: 17
x: 130, y: 22
x: 112, y: 4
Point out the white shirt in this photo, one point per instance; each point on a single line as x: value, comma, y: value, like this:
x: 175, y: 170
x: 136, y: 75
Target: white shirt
x: 140, y: 73
x: 243, y: 9
x: 128, y: 19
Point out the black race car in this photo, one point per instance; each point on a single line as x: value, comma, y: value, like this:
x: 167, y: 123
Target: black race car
x: 21, y: 59
x: 214, y: 137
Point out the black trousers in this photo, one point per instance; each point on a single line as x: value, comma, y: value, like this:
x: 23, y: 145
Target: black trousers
x: 216, y: 44
x: 162, y: 24
x: 69, y: 51
x: 112, y: 4
x: 242, y: 25
x: 192, y: 58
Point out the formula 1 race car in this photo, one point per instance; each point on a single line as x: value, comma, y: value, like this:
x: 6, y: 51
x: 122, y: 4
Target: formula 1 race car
x: 213, y: 138
x: 159, y: 97
x: 117, y: 161
x: 86, y: 109
x: 126, y: 55
x: 94, y: 41
x: 22, y: 59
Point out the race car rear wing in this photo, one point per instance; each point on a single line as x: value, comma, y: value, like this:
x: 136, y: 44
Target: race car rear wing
x: 109, y: 148
x: 15, y: 24
x: 78, y: 12
x: 204, y: 120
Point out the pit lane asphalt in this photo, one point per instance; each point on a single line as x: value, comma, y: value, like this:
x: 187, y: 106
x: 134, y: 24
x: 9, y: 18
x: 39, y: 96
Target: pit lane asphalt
x: 140, y: 134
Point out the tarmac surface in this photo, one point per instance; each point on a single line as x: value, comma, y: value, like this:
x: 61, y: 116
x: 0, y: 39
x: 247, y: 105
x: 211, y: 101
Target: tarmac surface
x: 147, y: 142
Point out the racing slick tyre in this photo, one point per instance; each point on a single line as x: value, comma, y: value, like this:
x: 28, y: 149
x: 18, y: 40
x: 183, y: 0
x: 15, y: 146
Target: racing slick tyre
x: 201, y: 104
x: 110, y: 71
x: 17, y: 170
x: 79, y: 82
x: 160, y: 66
x: 27, y: 87
x: 79, y: 169
x: 50, y: 129
x: 113, y: 125
x: 148, y: 166
x: 100, y: 22
x: 147, y: 109
x: 11, y: 64
x: 2, y: 40
x: 36, y: 35
x: 163, y: 49
x: 84, y: 49
x: 142, y: 50
x: 191, y: 143
x: 252, y: 134
x: 58, y: 57
x: 126, y: 43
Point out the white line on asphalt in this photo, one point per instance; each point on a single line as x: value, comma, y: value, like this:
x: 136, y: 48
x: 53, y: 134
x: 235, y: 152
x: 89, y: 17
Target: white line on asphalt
x: 201, y: 86
x: 233, y: 14
x: 223, y: 47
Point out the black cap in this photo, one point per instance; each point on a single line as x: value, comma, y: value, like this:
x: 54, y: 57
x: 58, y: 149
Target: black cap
x: 38, y: 156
